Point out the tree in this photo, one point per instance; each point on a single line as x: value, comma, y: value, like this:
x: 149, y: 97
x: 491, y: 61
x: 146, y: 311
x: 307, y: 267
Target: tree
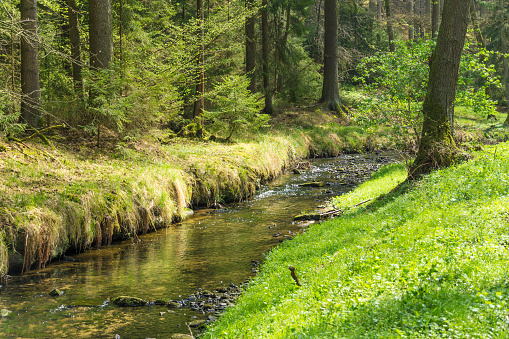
x: 268, y: 109
x: 200, y: 85
x: 250, y: 48
x: 503, y: 50
x: 390, y: 30
x: 30, y: 87
x: 74, y: 38
x: 330, y: 89
x: 435, y: 17
x: 437, y: 147
x: 101, y: 33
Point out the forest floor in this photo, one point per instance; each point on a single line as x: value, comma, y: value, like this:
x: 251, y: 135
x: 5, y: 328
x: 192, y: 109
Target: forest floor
x: 72, y: 195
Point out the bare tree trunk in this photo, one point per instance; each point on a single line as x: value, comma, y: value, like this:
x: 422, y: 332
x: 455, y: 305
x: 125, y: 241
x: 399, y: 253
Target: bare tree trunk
x: 411, y: 20
x: 251, y: 48
x: 199, y: 104
x: 269, y: 109
x: 101, y: 33
x: 74, y: 38
x: 437, y: 147
x: 503, y: 41
x: 475, y: 25
x: 435, y: 17
x: 30, y: 87
x: 330, y: 89
x: 390, y: 30
x: 427, y: 15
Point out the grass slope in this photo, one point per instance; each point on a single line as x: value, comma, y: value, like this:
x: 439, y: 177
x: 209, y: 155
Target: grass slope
x: 430, y: 261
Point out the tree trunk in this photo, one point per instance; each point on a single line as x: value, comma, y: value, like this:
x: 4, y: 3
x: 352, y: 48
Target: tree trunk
x: 503, y: 46
x: 330, y: 89
x: 437, y: 147
x: 411, y: 20
x: 427, y: 15
x: 74, y: 38
x: 199, y: 104
x: 251, y: 48
x: 269, y: 109
x: 435, y: 17
x: 101, y: 33
x: 30, y: 87
x: 390, y: 30
x: 475, y: 25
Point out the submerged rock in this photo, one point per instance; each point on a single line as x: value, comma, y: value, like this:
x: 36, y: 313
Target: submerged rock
x: 125, y: 301
x: 181, y: 336
x: 197, y: 323
x: 56, y: 292
x: 312, y: 184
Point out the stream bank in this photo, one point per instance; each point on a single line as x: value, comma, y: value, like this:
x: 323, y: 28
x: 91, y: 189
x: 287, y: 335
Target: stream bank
x: 207, y: 251
x: 65, y: 198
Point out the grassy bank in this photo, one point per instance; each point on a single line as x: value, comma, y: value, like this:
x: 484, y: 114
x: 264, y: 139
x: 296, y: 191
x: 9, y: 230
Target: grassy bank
x: 73, y: 195
x: 429, y: 260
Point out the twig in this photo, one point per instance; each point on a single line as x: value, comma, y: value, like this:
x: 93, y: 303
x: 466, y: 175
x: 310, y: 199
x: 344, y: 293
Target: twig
x: 362, y: 202
x: 190, y: 331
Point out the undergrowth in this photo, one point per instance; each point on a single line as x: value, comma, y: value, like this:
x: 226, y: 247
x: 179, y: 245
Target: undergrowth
x: 430, y: 262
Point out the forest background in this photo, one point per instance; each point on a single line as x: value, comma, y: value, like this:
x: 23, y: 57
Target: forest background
x: 113, y: 81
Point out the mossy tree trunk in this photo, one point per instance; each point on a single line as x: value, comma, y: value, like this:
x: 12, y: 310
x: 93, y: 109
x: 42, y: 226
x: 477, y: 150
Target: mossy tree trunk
x: 437, y: 147
x: 330, y: 88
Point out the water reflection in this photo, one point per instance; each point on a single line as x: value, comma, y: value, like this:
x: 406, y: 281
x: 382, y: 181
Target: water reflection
x: 209, y: 250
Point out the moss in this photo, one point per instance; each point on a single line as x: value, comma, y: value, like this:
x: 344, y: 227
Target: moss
x: 125, y: 301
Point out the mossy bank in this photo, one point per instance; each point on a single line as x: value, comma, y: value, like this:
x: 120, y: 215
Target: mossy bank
x: 69, y: 196
x: 425, y: 260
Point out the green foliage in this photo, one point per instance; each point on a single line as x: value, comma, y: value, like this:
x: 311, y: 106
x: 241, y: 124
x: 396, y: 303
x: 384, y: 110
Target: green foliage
x: 237, y: 109
x: 397, y: 82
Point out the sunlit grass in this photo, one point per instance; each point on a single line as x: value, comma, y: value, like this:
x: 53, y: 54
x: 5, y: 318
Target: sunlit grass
x: 431, y: 262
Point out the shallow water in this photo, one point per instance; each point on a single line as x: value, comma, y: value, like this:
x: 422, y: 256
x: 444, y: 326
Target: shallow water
x: 211, y: 249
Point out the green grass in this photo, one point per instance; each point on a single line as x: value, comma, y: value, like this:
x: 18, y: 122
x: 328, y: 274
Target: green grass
x: 428, y: 263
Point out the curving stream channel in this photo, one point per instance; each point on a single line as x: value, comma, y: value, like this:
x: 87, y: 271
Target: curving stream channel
x: 211, y: 249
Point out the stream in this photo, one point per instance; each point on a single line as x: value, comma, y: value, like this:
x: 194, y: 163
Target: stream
x: 210, y: 250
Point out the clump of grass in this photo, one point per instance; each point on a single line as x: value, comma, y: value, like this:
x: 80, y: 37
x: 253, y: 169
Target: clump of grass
x: 430, y: 262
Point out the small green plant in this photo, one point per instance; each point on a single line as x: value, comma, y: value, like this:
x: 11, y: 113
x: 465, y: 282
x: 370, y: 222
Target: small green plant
x: 236, y: 108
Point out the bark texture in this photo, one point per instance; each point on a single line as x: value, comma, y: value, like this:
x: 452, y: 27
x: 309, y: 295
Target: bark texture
x: 330, y: 89
x: 251, y: 49
x: 269, y: 109
x: 437, y: 148
x: 74, y: 38
x: 199, y: 104
x: 390, y: 29
x: 503, y: 47
x: 30, y: 87
x: 101, y: 33
x: 435, y: 18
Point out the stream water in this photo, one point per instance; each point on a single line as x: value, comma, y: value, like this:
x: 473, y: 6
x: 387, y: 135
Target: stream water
x: 211, y: 249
